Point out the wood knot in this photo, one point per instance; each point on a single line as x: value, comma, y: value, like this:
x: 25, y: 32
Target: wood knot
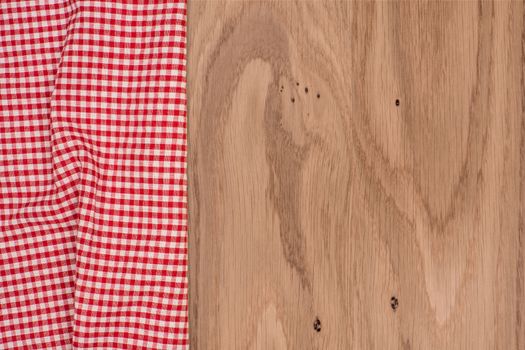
x: 394, y: 303
x: 317, y: 325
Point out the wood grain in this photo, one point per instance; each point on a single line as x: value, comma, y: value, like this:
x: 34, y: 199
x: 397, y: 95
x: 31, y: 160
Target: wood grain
x: 313, y: 195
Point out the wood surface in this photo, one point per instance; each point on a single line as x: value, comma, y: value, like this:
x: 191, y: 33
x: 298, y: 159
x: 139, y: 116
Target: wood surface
x: 323, y: 214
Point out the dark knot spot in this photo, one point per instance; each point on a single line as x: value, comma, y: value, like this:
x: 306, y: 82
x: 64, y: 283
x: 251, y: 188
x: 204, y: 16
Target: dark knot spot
x: 394, y: 303
x: 318, y: 95
x: 317, y: 325
x: 297, y: 84
x: 293, y: 100
x: 306, y: 89
x: 398, y: 103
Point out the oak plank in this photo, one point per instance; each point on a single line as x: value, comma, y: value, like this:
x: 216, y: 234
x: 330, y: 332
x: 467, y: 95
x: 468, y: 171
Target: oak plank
x: 328, y: 202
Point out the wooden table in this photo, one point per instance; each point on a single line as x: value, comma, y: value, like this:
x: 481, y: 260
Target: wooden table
x: 356, y: 175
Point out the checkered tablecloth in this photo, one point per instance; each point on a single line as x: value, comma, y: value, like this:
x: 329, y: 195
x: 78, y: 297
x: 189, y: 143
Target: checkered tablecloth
x: 93, y: 231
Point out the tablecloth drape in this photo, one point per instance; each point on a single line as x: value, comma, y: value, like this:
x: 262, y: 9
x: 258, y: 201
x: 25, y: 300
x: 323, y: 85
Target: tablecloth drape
x: 93, y: 235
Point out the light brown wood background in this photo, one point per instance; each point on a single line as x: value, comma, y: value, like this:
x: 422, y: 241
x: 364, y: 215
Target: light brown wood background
x: 305, y: 207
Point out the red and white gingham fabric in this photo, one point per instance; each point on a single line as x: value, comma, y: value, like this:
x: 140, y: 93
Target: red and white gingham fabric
x: 93, y: 231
